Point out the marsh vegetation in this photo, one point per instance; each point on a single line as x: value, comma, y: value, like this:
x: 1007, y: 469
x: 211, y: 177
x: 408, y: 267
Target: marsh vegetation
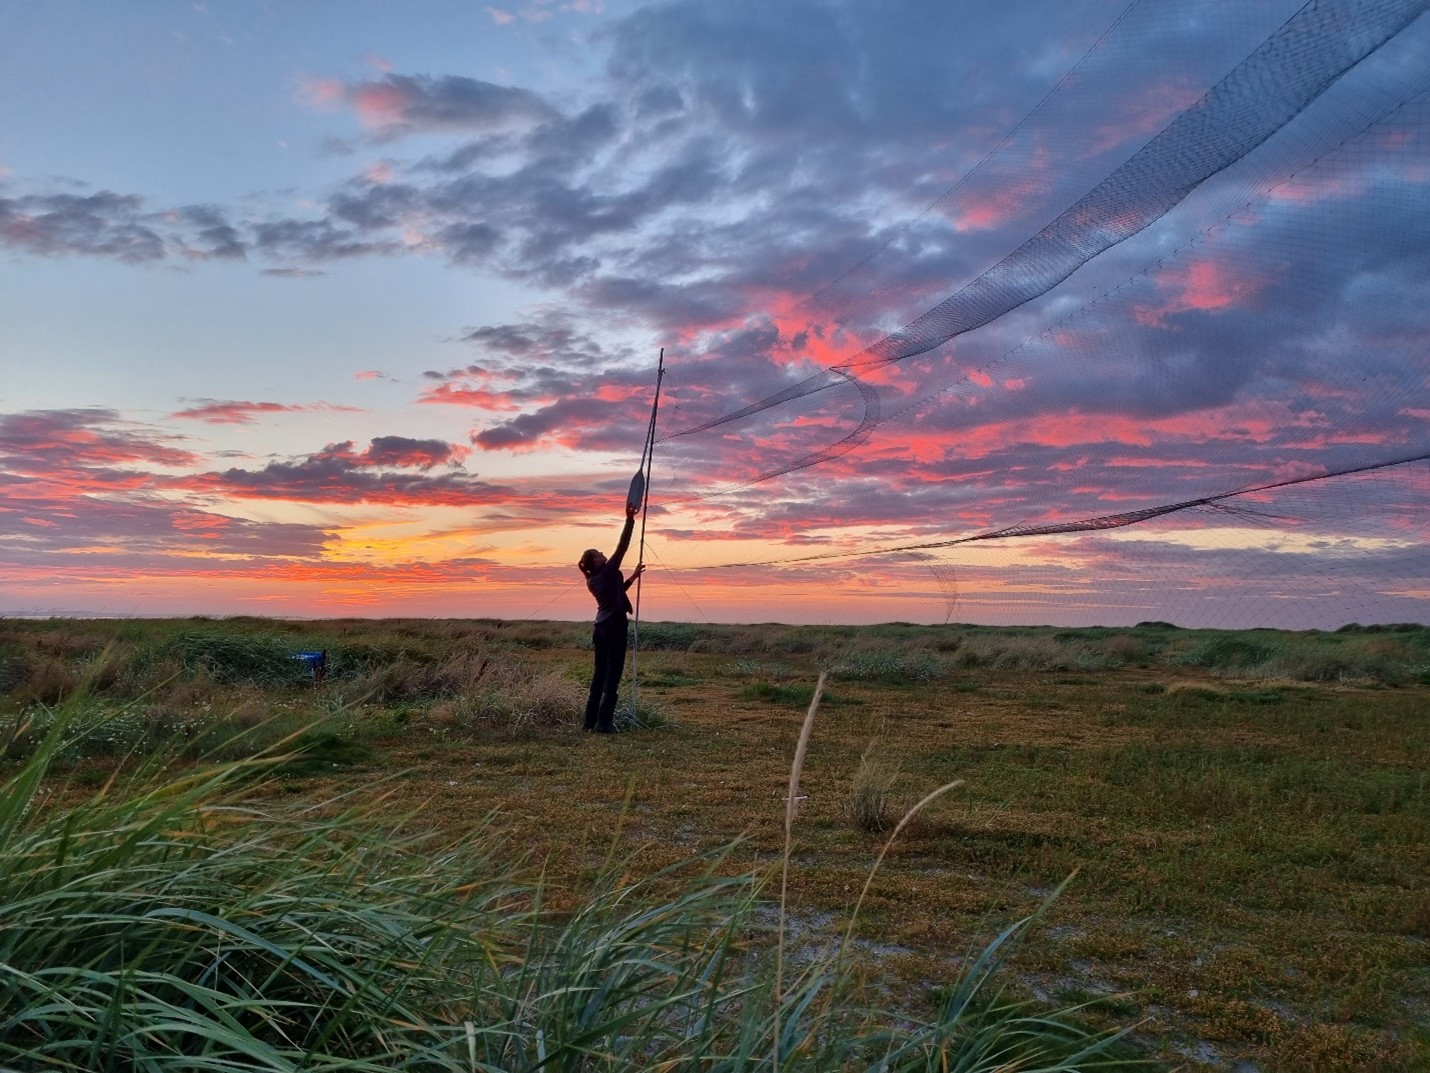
x: 422, y: 862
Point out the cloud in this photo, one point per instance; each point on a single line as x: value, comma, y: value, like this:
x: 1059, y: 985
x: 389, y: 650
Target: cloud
x: 124, y: 532
x: 43, y: 442
x: 560, y: 383
x: 317, y: 241
x: 89, y: 482
x: 402, y: 451
x: 102, y: 224
x: 341, y: 474
x: 222, y: 412
x: 396, y: 106
x: 116, y: 226
x: 89, y: 498
x: 214, y: 237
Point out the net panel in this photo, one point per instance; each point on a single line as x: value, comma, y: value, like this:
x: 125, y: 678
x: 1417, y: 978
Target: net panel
x: 1304, y: 395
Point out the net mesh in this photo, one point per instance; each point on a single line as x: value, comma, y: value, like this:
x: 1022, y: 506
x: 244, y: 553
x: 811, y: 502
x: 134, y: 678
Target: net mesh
x: 1167, y: 379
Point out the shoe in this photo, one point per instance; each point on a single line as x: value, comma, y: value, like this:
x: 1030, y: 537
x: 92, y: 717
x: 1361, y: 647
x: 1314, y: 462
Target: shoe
x: 606, y: 729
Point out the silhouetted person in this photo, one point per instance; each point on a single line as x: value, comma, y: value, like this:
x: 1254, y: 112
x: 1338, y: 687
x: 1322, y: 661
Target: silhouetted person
x: 608, y: 640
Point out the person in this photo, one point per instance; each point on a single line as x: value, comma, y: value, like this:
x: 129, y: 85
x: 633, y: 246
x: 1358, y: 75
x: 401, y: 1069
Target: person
x: 608, y: 639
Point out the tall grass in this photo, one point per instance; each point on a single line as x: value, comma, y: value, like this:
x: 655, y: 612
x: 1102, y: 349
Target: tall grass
x: 173, y: 921
x: 874, y: 805
x: 162, y: 923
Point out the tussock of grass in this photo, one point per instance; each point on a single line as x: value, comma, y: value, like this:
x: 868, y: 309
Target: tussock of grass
x: 873, y: 804
x: 642, y: 715
x: 509, y: 697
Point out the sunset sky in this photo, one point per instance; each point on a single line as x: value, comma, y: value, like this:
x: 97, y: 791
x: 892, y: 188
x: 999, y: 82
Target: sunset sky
x: 353, y: 308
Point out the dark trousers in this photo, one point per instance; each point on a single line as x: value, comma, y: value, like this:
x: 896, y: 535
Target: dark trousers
x: 608, y: 640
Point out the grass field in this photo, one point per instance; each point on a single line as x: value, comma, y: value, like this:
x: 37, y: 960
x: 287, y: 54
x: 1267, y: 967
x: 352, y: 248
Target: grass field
x: 1244, y: 815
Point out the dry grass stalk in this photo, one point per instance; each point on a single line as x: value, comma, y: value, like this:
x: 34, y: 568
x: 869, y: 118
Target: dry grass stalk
x: 795, y: 768
x: 927, y: 800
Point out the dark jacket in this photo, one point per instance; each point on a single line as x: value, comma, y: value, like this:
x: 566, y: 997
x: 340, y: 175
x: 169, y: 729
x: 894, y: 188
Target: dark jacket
x: 608, y: 585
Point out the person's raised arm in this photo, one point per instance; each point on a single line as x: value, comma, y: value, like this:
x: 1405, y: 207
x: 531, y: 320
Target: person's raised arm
x: 625, y: 542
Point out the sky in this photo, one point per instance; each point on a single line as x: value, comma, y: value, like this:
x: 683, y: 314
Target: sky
x: 354, y: 309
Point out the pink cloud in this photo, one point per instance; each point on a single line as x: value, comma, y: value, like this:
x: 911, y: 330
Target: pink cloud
x: 1204, y: 285
x: 323, y: 94
x: 479, y: 398
x: 995, y: 208
x: 217, y: 412
x: 200, y: 521
x: 54, y: 441
x: 378, y: 104
x: 394, y: 106
x: 1143, y: 113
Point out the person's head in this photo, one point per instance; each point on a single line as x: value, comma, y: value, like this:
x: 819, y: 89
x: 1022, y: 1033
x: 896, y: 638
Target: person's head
x: 591, y: 561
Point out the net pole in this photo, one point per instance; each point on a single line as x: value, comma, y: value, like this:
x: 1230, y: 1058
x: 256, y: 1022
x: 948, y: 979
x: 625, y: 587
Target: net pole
x: 647, y: 457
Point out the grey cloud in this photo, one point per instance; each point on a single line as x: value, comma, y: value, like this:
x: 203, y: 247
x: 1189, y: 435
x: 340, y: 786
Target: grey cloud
x: 403, y: 451
x: 217, y: 237
x: 149, y: 528
x: 373, y: 206
x: 741, y: 151
x: 103, y: 224
x: 116, y: 226
x: 576, y: 420
x: 316, y: 240
x: 399, y: 105
x: 470, y: 243
x: 339, y: 474
x: 574, y: 141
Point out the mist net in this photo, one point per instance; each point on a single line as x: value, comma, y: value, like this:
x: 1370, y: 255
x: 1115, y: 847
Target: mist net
x: 1195, y: 391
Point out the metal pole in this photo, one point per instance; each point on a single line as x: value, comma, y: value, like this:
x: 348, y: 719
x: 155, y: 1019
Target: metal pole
x: 648, y: 456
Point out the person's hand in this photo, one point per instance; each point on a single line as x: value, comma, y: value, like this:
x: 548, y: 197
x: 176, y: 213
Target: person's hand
x: 632, y: 509
x: 638, y: 571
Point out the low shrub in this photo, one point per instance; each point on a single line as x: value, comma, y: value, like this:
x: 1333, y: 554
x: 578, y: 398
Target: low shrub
x: 1035, y: 652
x: 1227, y: 652
x: 888, y: 666
x: 1123, y: 648
x: 231, y: 658
x: 667, y: 636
